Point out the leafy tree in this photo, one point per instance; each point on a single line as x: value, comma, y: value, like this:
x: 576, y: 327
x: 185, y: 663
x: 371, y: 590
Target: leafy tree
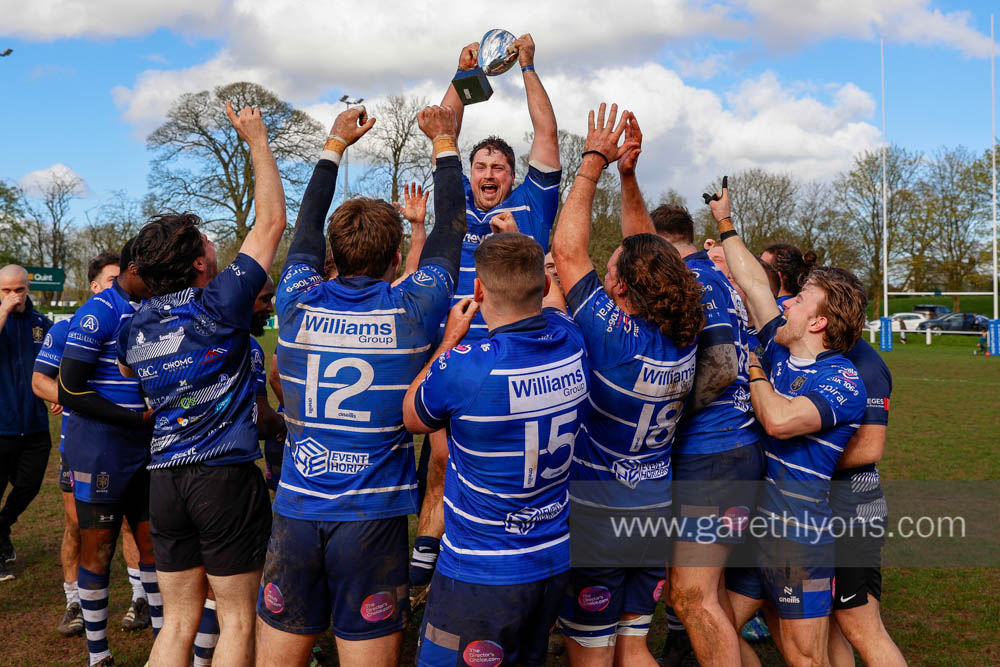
x: 200, y: 163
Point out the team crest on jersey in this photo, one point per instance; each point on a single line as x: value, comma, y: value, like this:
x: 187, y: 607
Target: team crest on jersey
x: 204, y: 325
x: 48, y: 341
x: 37, y: 333
x: 630, y: 472
x: 798, y: 382
x: 337, y: 329
x: 103, y: 482
x: 90, y: 323
x: 423, y: 278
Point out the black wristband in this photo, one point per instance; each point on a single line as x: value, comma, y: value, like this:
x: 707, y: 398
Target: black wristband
x: 727, y: 234
x: 759, y: 380
x: 606, y: 160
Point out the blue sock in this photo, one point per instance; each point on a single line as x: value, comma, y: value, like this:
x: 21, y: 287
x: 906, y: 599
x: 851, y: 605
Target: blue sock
x: 152, y: 587
x: 93, y: 590
x: 207, y: 637
x: 673, y: 622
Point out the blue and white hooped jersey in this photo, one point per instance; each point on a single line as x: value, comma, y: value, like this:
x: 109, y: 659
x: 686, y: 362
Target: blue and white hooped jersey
x: 533, y: 204
x: 257, y: 364
x: 513, y: 404
x: 47, y: 363
x: 799, y: 469
x: 93, y: 337
x: 348, y: 349
x: 191, y: 351
x: 727, y: 422
x: 640, y: 381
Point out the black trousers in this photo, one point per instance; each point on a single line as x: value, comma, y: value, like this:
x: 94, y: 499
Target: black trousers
x: 22, y: 463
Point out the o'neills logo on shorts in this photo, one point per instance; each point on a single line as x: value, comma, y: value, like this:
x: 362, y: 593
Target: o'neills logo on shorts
x: 378, y: 607
x: 548, y: 388
x: 483, y: 653
x: 347, y: 330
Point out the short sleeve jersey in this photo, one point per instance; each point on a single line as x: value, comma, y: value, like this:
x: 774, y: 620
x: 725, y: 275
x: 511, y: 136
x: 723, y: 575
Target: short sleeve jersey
x: 877, y: 380
x: 640, y: 380
x: 533, y: 204
x: 257, y: 364
x: 47, y: 363
x: 513, y: 404
x: 93, y: 337
x: 191, y: 351
x: 725, y: 423
x: 348, y: 349
x: 799, y: 469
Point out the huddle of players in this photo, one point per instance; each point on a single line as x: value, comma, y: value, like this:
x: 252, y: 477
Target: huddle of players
x: 525, y: 384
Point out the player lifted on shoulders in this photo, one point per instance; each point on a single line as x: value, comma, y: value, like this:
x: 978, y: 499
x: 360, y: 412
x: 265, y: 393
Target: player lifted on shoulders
x: 513, y: 404
x: 347, y: 350
x: 492, y: 201
x: 189, y: 344
x: 640, y: 328
x: 809, y: 399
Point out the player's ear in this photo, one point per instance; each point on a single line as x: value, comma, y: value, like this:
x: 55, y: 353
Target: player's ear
x: 200, y: 264
x: 477, y: 291
x: 818, y: 324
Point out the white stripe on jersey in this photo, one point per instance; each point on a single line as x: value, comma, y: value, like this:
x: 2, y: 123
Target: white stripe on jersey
x: 536, y: 369
x: 85, y: 347
x: 797, y: 467
x: 504, y: 552
x: 825, y: 443
x: 338, y: 427
x: 666, y: 364
x: 589, y: 297
x: 129, y: 382
x: 470, y: 517
x: 352, y: 350
x: 524, y: 415
x: 494, y: 455
x: 494, y: 211
x: 641, y: 397
x: 353, y: 492
x: 506, y: 495
x: 620, y: 456
x: 792, y: 521
x: 581, y: 501
x: 543, y: 187
x: 327, y: 311
x: 595, y: 466
x: 794, y: 495
x: 609, y: 415
x: 47, y: 363
x: 341, y: 385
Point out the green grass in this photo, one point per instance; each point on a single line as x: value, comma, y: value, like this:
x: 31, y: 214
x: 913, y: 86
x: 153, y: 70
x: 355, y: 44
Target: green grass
x: 943, y: 426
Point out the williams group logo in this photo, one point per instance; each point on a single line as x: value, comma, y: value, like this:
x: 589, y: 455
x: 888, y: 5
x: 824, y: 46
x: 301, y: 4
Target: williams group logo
x: 333, y: 329
x: 547, y: 388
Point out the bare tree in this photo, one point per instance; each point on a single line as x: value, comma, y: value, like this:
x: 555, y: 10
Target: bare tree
x: 201, y: 164
x: 48, y: 220
x: 12, y: 228
x: 396, y: 151
x: 763, y: 205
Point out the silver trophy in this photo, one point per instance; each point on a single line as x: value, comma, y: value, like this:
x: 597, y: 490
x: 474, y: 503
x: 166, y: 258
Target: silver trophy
x: 496, y: 55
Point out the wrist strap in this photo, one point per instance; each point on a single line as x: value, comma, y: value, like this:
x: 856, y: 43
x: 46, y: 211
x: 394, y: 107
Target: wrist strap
x: 333, y: 149
x: 587, y: 178
x: 528, y: 68
x: 444, y: 145
x: 726, y: 225
x: 603, y: 157
x: 757, y: 373
x: 729, y: 233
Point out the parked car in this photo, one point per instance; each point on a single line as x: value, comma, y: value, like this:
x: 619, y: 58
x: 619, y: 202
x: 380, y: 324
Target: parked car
x: 931, y: 310
x: 900, y: 322
x: 953, y: 322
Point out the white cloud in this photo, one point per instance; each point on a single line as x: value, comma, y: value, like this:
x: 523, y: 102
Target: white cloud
x: 59, y: 19
x: 35, y: 183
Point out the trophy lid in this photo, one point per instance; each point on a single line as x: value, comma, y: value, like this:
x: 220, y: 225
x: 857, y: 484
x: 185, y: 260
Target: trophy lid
x: 494, y: 57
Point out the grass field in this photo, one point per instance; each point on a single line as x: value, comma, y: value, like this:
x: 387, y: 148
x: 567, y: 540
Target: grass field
x: 944, y: 423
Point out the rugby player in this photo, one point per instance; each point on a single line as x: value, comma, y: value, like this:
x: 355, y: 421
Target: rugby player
x: 792, y: 267
x: 189, y: 344
x: 490, y: 192
x: 641, y: 329
x: 106, y: 446
x: 717, y: 455
x: 101, y: 273
x: 809, y: 401
x: 347, y: 350
x: 513, y: 404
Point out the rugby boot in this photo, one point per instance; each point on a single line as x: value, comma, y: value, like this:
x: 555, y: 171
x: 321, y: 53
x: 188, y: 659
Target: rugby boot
x: 7, y: 552
x: 137, y: 616
x: 6, y: 574
x: 72, y: 621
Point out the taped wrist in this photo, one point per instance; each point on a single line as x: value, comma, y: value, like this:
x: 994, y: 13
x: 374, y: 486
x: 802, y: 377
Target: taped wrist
x: 333, y: 149
x: 445, y: 146
x: 424, y: 559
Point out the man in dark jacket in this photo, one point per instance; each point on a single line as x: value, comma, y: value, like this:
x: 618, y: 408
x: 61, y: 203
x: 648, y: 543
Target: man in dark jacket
x: 24, y: 424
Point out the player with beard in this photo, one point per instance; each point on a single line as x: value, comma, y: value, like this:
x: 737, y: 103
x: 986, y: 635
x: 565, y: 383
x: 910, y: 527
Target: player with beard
x: 494, y: 204
x: 809, y: 399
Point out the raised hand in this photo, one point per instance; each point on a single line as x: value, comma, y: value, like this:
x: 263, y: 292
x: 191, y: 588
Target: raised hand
x: 524, y: 47
x: 352, y: 124
x: 435, y: 121
x: 249, y: 124
x: 719, y: 203
x: 633, y: 135
x: 603, y: 135
x: 503, y: 222
x: 414, y: 208
x: 469, y: 58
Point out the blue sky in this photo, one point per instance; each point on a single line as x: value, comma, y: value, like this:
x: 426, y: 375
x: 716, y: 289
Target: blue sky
x: 717, y: 86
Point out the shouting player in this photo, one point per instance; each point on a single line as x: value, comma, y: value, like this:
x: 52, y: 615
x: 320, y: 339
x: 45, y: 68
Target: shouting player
x: 347, y: 350
x: 106, y: 445
x: 190, y: 347
x: 640, y: 328
x: 809, y: 399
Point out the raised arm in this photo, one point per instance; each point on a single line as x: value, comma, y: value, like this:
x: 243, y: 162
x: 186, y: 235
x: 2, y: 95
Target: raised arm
x: 746, y: 270
x: 635, y: 216
x: 545, y: 146
x: 269, y: 196
x: 467, y: 60
x: 572, y: 237
x: 444, y: 244
x: 414, y: 209
x: 308, y: 244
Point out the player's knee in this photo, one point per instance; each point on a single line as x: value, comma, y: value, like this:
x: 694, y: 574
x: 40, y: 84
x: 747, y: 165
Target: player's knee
x: 686, y: 596
x: 857, y: 624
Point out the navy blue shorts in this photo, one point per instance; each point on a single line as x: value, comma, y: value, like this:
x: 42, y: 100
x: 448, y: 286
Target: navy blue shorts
x: 801, y: 588
x: 355, y: 571
x: 597, y: 597
x: 481, y: 624
x: 103, y: 457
